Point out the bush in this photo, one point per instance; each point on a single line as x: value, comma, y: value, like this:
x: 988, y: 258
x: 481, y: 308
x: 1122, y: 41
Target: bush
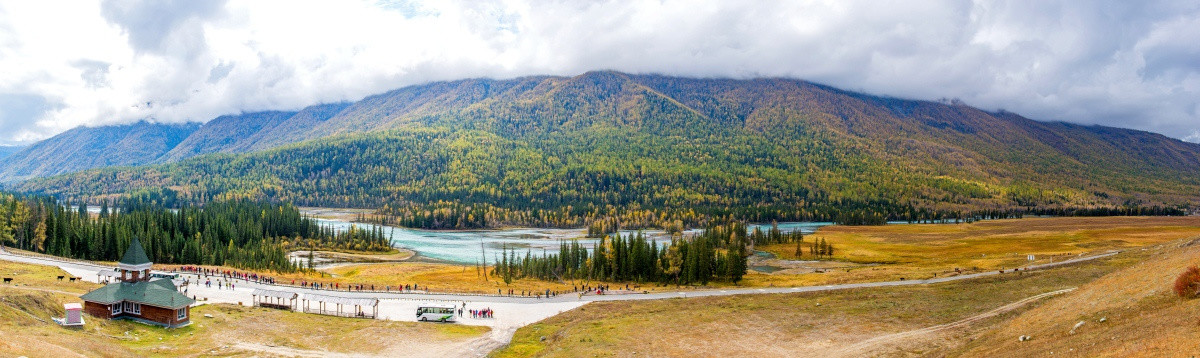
x: 1187, y: 285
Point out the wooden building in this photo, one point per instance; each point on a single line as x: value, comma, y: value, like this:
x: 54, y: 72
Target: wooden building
x: 137, y: 296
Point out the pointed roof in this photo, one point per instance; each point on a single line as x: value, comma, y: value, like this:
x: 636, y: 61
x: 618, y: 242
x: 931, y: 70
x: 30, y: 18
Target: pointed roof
x: 135, y: 255
x: 159, y: 293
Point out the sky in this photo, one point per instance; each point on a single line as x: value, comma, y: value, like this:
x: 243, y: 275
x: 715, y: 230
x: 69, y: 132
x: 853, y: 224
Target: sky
x: 1131, y: 64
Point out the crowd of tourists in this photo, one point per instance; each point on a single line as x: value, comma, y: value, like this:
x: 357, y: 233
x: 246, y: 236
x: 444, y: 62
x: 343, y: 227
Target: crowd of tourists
x: 336, y: 286
x: 227, y: 274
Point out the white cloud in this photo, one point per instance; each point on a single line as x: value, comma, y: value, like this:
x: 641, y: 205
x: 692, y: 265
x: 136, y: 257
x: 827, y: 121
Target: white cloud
x: 1127, y: 64
x: 1194, y: 137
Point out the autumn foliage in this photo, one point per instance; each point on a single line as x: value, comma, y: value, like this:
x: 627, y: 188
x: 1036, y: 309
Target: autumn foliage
x: 1187, y: 285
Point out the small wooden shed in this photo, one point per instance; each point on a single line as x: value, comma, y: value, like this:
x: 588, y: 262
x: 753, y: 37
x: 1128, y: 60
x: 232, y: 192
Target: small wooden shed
x: 74, y: 315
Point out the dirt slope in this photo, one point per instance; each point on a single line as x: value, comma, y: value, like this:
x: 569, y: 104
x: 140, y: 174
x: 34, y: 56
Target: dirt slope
x: 1142, y: 317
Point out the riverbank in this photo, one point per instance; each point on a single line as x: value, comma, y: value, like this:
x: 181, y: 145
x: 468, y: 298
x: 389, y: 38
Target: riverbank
x: 475, y: 247
x: 327, y: 259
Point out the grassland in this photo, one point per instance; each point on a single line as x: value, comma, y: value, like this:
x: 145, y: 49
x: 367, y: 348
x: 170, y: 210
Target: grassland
x: 1130, y: 291
x: 27, y: 305
x: 1128, y: 313
x: 804, y: 324
x: 876, y: 253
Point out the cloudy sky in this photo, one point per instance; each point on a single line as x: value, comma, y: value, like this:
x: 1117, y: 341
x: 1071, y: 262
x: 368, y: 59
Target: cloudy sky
x: 1133, y: 64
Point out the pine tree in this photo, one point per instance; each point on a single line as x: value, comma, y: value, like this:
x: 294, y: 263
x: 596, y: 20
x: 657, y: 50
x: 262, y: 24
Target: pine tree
x: 311, y: 259
x: 735, y: 264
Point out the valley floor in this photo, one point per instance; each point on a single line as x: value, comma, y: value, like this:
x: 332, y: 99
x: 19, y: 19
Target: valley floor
x: 1123, y: 301
x: 942, y: 315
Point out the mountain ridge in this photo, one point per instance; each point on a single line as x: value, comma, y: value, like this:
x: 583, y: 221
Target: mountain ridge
x: 807, y: 144
x: 88, y: 147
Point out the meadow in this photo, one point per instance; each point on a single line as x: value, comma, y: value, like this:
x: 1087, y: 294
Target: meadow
x: 892, y: 252
x: 798, y: 325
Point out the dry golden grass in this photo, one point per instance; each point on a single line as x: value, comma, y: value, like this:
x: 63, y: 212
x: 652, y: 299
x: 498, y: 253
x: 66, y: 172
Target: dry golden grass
x: 787, y: 325
x: 233, y: 325
x: 26, y: 328
x: 394, y: 256
x: 874, y: 253
x: 1143, y: 317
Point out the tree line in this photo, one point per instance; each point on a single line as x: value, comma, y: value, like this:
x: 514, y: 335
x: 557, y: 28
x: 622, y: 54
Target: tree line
x: 718, y: 254
x: 240, y: 233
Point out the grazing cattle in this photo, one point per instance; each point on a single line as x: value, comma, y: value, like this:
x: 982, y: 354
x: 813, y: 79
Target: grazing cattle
x: 7, y: 279
x: 61, y: 277
x: 74, y: 278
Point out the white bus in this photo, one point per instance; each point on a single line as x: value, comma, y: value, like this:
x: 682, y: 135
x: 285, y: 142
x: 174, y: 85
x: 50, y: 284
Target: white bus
x: 439, y: 313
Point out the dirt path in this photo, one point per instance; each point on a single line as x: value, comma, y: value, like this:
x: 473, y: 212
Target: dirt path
x: 863, y: 348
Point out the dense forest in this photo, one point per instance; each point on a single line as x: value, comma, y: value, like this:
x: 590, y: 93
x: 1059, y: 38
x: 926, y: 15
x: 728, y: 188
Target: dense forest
x: 606, y: 149
x: 237, y: 233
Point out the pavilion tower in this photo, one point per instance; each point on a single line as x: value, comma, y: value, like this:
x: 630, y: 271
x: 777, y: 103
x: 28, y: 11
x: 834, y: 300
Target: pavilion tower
x: 134, y: 265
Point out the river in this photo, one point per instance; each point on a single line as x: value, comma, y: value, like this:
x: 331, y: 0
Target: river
x: 468, y: 246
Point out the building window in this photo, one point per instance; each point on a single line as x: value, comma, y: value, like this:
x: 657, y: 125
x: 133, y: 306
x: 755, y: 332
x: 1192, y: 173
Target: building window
x: 134, y: 308
x: 181, y: 314
x: 115, y: 308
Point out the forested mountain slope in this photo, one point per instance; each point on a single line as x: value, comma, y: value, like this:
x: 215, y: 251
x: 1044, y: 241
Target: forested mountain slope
x: 292, y: 130
x: 658, y: 151
x: 7, y: 150
x: 226, y: 134
x: 83, y: 147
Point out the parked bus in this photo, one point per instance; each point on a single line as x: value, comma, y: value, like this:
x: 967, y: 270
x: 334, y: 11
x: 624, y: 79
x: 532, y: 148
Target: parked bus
x: 435, y: 312
x: 170, y: 276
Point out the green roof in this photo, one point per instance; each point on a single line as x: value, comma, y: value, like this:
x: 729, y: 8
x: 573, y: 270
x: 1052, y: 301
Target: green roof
x: 135, y: 255
x: 158, y: 293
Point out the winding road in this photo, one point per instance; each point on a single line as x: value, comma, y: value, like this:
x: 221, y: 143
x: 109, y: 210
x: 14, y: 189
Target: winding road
x: 511, y: 313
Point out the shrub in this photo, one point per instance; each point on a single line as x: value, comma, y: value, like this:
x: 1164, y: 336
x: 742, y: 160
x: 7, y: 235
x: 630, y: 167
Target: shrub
x: 1187, y: 284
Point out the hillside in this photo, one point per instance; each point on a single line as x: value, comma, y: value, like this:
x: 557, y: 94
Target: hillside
x: 294, y: 129
x: 1131, y: 312
x: 84, y: 148
x: 7, y: 150
x: 652, y: 150
x: 226, y: 134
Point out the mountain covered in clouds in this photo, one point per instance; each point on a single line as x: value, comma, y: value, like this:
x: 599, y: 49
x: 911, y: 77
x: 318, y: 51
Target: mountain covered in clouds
x: 614, y: 140
x: 93, y: 147
x: 141, y: 143
x: 226, y: 134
